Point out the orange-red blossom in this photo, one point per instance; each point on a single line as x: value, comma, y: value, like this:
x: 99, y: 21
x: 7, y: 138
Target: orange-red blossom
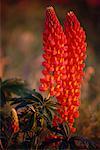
x: 64, y: 54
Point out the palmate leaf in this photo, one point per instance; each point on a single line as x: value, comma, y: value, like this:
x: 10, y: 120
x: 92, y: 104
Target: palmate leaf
x: 29, y: 99
x: 47, y: 110
x: 37, y: 95
x: 14, y: 101
x: 22, y: 104
x: 61, y: 130
x: 14, y: 86
x: 26, y: 101
x: 65, y: 129
x: 51, y: 104
x: 54, y: 130
x: 48, y: 114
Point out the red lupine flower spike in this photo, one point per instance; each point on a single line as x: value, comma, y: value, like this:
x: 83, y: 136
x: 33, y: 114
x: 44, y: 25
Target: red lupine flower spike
x: 64, y: 55
x: 77, y: 46
x: 54, y: 41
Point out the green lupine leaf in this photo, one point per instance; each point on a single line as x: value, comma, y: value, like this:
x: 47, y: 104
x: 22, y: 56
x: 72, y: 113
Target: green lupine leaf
x: 63, y: 130
x: 16, y: 100
x: 22, y: 104
x: 14, y: 86
x: 59, y: 130
x: 12, y: 82
x: 29, y: 99
x: 51, y: 104
x: 66, y: 129
x: 37, y: 95
x: 49, y: 114
x: 54, y: 129
x: 36, y: 99
x: 52, y: 111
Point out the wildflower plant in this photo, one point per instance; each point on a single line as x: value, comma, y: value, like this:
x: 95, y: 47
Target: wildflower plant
x: 64, y: 55
x: 30, y: 121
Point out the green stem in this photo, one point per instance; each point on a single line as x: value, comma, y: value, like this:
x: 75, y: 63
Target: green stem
x: 48, y: 96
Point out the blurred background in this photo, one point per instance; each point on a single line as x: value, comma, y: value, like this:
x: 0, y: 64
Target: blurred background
x: 22, y: 23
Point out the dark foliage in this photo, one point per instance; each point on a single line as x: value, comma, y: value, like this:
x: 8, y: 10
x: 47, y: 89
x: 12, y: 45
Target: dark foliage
x: 35, y: 115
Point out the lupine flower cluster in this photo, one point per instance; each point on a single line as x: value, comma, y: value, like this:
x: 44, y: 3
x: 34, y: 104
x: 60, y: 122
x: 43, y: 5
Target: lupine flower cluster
x: 64, y: 55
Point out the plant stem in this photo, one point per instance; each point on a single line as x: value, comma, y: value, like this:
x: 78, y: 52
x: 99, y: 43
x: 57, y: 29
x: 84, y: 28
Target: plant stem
x: 48, y: 96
